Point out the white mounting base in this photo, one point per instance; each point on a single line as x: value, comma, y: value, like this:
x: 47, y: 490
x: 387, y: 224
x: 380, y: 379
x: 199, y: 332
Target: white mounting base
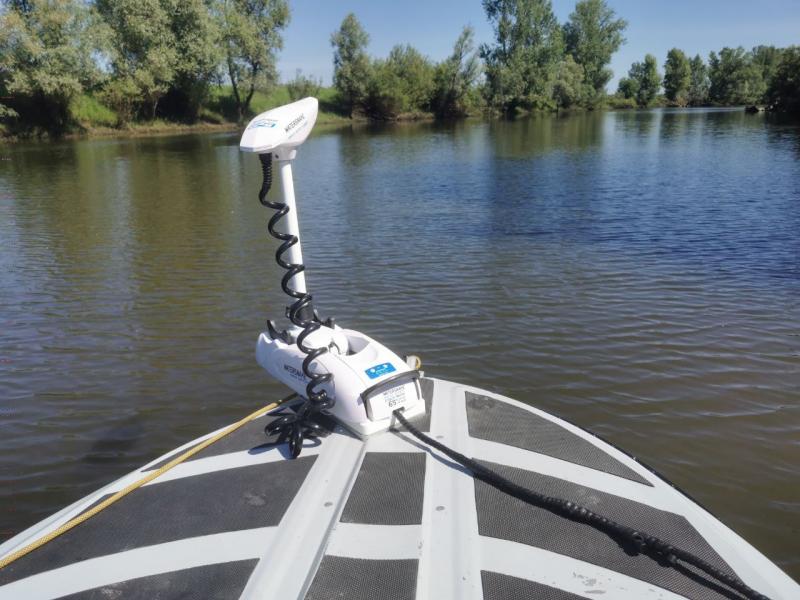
x: 369, y: 380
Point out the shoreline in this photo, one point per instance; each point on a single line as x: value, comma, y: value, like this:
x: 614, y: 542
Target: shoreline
x: 156, y: 129
x: 167, y: 128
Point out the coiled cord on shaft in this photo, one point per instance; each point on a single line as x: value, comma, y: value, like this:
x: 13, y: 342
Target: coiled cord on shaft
x: 638, y: 541
x: 296, y: 427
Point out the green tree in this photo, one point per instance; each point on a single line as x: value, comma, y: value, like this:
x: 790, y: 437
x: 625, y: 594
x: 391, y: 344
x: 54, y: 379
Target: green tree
x: 698, y: 85
x: 783, y: 93
x: 386, y: 97
x: 403, y: 82
x: 677, y: 77
x: 766, y: 59
x: 143, y: 54
x: 628, y: 87
x: 416, y: 72
x: 351, y: 65
x: 302, y: 87
x: 455, y: 77
x: 47, y: 52
x: 593, y: 34
x: 735, y: 79
x: 251, y: 34
x: 198, y: 54
x: 569, y: 88
x: 647, y: 80
x: 522, y: 63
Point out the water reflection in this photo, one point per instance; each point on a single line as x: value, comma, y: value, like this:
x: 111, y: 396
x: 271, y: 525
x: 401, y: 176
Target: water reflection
x: 532, y: 136
x: 639, y: 123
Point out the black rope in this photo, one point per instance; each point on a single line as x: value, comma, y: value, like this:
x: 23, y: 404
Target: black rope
x: 300, y: 425
x: 639, y: 541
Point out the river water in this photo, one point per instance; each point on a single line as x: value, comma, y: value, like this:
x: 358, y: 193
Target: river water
x: 635, y: 272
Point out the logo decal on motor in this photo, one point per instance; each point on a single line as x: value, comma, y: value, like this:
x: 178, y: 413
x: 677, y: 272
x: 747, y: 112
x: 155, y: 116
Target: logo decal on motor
x: 296, y: 373
x: 295, y: 122
x: 379, y: 370
x: 263, y: 123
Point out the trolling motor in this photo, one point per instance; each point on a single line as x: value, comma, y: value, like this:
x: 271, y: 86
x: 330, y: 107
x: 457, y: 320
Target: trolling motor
x: 340, y: 372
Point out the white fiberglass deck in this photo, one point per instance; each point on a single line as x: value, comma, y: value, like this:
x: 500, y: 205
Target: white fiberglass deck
x: 387, y: 518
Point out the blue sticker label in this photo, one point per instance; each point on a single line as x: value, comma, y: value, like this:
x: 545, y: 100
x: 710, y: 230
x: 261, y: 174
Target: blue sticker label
x: 263, y: 123
x: 378, y: 370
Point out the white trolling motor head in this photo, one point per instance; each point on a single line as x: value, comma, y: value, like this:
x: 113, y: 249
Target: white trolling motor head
x: 281, y: 130
x: 365, y: 380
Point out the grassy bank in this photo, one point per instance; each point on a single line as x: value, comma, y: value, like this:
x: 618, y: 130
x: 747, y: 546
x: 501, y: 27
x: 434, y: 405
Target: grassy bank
x: 220, y: 107
x: 90, y: 117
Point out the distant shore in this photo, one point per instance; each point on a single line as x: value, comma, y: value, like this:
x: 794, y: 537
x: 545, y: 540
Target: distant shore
x: 153, y: 129
x: 159, y: 127
x: 163, y: 128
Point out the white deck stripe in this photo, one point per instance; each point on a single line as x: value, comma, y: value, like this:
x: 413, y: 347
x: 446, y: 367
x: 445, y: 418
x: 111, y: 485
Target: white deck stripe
x: 449, y: 567
x: 375, y: 542
x: 393, y: 442
x: 304, y: 529
x: 141, y: 562
x: 232, y: 460
x: 564, y: 573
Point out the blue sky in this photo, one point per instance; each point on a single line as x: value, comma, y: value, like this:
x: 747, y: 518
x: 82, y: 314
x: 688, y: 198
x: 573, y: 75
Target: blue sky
x: 655, y: 26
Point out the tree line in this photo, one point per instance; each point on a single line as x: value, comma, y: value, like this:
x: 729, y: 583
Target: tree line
x: 765, y: 75
x: 534, y: 63
x: 405, y: 81
x: 184, y: 60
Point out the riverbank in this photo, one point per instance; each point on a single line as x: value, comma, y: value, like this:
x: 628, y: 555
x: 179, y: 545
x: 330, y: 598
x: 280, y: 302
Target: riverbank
x: 160, y: 127
x: 91, y: 118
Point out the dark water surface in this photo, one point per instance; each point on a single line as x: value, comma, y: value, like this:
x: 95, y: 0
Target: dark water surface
x: 637, y: 273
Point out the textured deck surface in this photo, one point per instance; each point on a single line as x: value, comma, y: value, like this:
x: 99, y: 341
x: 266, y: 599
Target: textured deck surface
x: 386, y: 518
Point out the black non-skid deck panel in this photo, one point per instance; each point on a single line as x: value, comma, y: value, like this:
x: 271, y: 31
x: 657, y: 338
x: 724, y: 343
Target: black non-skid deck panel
x: 249, y: 436
x: 227, y: 500
x: 222, y: 581
x: 363, y: 579
x: 496, y: 421
x: 388, y: 490
x: 504, y: 517
x: 497, y: 586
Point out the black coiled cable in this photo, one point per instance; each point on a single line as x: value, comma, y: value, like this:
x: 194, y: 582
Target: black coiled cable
x: 638, y: 541
x: 296, y: 427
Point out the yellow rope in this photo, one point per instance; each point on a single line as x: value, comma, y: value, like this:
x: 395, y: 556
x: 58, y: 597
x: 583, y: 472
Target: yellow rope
x: 137, y: 484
